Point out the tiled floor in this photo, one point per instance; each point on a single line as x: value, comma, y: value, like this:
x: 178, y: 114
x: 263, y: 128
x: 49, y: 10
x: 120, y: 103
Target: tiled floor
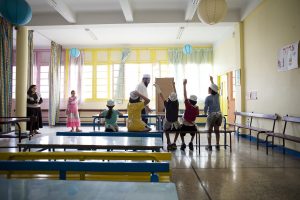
x: 245, y: 173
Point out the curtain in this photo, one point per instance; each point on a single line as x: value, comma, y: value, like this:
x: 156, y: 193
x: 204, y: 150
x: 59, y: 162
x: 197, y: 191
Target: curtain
x: 119, y: 91
x: 30, y: 58
x: 185, y: 66
x: 6, y: 54
x: 54, y: 83
x: 75, y: 75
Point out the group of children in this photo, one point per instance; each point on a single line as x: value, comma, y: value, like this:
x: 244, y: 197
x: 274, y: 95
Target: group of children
x: 136, y: 104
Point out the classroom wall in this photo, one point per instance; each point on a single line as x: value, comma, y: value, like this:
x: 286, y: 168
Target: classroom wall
x: 227, y: 58
x: 274, y: 24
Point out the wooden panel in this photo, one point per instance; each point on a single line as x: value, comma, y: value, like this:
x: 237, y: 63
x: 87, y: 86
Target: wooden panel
x: 166, y: 86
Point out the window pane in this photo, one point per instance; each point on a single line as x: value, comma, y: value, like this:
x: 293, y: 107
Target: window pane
x: 44, y: 82
x: 44, y: 69
x: 44, y: 76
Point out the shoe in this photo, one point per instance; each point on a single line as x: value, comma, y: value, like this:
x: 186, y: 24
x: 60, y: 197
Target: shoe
x: 78, y: 130
x: 208, y: 148
x: 169, y: 147
x: 191, y: 146
x: 174, y: 146
x: 36, y: 132
x: 183, y: 146
x: 218, y: 147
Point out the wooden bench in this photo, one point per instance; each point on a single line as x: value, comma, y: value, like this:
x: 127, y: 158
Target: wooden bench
x: 250, y: 116
x: 76, y: 165
x: 283, y: 135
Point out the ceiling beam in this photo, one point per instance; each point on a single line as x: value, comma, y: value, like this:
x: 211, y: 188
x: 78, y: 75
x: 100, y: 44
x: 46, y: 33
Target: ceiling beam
x: 63, y: 10
x: 127, y: 10
x: 191, y: 9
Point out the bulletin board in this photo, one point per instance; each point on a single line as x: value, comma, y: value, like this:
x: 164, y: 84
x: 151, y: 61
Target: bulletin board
x: 166, y: 86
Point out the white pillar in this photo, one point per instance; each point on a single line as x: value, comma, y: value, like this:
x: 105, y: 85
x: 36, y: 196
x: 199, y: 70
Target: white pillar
x: 21, y: 74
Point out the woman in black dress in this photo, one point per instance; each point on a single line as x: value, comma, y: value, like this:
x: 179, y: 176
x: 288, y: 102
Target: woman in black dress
x: 34, y: 101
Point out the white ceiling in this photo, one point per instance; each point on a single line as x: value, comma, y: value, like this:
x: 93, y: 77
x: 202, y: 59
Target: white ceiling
x: 155, y: 23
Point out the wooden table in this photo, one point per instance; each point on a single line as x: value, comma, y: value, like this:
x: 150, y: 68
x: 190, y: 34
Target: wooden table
x: 13, y: 120
x: 93, y: 143
x: 89, y: 190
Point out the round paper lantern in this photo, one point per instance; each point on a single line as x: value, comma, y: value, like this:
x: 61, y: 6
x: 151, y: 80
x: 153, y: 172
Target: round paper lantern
x: 18, y: 12
x: 187, y: 49
x: 74, y: 52
x: 212, y: 11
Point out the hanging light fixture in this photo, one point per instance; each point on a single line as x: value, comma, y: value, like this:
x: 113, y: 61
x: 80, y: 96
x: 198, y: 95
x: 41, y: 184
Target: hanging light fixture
x: 212, y: 11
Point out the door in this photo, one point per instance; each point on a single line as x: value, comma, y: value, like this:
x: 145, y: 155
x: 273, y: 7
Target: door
x: 231, y: 99
x: 223, y: 94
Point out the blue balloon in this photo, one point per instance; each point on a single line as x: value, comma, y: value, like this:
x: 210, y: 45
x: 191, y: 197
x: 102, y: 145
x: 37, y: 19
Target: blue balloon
x: 17, y: 12
x: 74, y: 52
x: 187, y: 49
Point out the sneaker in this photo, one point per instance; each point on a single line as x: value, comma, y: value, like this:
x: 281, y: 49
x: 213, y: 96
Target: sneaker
x: 191, y: 146
x: 218, y: 147
x: 169, y: 147
x: 183, y: 146
x: 208, y: 148
x: 174, y: 146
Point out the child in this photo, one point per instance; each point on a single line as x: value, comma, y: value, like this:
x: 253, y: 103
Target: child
x: 171, y: 119
x: 214, y: 117
x: 111, y: 117
x: 189, y: 117
x: 134, y: 108
x: 73, y: 119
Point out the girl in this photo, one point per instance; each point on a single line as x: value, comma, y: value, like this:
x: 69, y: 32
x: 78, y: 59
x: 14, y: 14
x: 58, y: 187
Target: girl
x: 171, y: 119
x: 214, y: 117
x: 73, y: 119
x: 134, y: 108
x: 111, y: 117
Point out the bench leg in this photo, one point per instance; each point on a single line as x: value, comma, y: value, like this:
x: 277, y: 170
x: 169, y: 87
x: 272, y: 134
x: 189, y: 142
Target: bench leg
x: 238, y: 133
x: 267, y: 151
x: 230, y: 142
x: 257, y: 140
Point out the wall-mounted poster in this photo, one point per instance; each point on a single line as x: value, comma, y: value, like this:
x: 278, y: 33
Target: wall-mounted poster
x: 288, y: 57
x: 238, y: 77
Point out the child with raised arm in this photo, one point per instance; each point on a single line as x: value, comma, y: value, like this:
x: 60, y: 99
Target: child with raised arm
x: 171, y: 119
x: 73, y: 119
x: 214, y: 115
x: 189, y: 117
x: 111, y: 116
x: 134, y: 108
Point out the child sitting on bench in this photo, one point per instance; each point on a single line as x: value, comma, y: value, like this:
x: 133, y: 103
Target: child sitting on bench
x: 171, y: 119
x: 134, y: 109
x: 111, y: 117
x: 189, y: 117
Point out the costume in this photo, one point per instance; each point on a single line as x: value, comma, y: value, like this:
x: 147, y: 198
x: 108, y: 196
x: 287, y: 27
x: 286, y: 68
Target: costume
x: 189, y: 117
x: 135, y: 122
x: 73, y: 119
x: 212, y: 109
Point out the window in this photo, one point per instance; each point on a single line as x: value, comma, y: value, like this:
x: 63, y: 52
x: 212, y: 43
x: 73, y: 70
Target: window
x: 87, y: 82
x: 44, y: 82
x: 102, y: 82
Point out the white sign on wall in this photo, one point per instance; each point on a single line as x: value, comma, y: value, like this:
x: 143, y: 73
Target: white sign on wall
x: 288, y: 57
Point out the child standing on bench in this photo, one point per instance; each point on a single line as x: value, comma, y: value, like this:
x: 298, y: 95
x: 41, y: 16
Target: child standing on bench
x: 171, y: 119
x: 134, y: 109
x: 111, y: 117
x: 214, y: 115
x: 73, y: 119
x: 189, y: 117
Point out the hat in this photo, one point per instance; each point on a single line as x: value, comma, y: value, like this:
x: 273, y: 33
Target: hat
x: 214, y: 87
x: 193, y: 97
x: 110, y: 102
x: 173, y: 96
x: 146, y: 76
x: 133, y: 95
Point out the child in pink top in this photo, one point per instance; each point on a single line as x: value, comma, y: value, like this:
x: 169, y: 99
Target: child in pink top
x: 73, y: 119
